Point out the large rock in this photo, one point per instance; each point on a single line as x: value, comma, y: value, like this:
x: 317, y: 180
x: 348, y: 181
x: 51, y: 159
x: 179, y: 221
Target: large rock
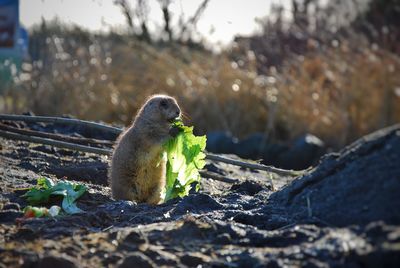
x: 252, y: 146
x: 221, y: 142
x: 257, y: 146
x: 358, y: 185
x: 304, y: 152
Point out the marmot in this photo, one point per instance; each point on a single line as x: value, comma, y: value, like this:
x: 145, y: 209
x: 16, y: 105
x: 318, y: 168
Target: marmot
x: 137, y: 170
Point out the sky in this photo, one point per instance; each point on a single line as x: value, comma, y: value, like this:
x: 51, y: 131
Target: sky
x: 221, y: 21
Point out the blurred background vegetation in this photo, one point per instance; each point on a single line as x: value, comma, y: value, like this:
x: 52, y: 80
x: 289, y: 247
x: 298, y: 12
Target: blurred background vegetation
x: 331, y: 68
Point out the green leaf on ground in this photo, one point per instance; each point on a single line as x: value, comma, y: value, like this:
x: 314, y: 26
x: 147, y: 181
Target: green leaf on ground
x: 45, y: 188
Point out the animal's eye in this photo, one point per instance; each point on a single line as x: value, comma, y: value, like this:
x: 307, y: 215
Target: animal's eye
x: 164, y: 104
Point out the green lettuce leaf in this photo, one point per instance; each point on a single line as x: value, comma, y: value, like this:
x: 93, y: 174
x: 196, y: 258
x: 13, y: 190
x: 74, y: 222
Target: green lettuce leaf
x: 46, y: 187
x: 184, y: 159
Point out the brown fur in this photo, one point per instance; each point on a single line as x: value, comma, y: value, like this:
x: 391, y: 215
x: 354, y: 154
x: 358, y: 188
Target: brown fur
x: 137, y: 169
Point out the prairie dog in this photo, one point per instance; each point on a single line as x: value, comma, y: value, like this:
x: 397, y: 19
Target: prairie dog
x: 137, y: 170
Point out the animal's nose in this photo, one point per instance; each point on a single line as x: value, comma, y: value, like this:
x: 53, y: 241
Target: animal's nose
x: 177, y: 113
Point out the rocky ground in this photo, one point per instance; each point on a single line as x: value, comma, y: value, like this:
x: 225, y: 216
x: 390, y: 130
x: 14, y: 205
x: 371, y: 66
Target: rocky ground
x: 345, y: 212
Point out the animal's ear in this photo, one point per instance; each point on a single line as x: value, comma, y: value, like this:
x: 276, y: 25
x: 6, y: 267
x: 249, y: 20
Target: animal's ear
x: 164, y: 104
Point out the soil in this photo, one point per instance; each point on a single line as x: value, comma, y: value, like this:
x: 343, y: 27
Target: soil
x: 344, y: 212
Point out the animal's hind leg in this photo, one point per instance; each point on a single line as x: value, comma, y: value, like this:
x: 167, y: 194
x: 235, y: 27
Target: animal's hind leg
x: 123, y: 193
x: 155, y: 197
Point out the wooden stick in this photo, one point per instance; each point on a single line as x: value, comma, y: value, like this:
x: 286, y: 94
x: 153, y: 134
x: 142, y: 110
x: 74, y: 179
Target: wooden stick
x: 48, y: 119
x: 249, y: 165
x: 61, y: 144
x: 76, y: 140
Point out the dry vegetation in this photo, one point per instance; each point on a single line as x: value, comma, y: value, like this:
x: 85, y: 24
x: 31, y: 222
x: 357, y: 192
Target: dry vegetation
x: 342, y: 94
x: 336, y: 90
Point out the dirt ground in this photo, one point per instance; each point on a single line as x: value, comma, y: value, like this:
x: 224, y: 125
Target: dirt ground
x: 345, y: 212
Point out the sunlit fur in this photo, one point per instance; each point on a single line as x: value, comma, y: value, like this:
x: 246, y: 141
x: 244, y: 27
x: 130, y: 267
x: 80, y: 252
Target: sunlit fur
x: 137, y: 170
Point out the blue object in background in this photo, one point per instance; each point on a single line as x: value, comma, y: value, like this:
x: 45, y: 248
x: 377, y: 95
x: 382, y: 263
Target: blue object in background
x: 8, y: 23
x: 13, y: 42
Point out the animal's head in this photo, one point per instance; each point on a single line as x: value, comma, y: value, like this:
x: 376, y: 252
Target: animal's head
x: 162, y: 108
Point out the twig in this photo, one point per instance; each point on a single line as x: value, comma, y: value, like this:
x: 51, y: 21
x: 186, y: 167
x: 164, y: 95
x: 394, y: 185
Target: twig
x: 107, y: 228
x: 42, y: 134
x: 309, y: 210
x: 278, y: 171
x: 48, y: 119
x: 286, y: 226
x: 61, y: 144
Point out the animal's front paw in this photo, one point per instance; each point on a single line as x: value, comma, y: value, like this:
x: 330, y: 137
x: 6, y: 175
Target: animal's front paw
x: 174, y: 131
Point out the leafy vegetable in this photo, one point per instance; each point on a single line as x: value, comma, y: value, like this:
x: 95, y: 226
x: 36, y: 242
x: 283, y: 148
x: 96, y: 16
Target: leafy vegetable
x: 46, y: 187
x: 37, y: 212
x: 184, y: 159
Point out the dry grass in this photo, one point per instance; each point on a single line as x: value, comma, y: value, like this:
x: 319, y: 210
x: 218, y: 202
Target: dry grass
x: 339, y: 94
x: 342, y: 94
